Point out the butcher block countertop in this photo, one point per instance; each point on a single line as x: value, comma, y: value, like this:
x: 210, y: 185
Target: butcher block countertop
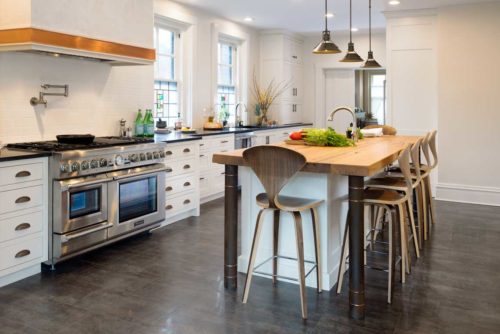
x: 368, y: 157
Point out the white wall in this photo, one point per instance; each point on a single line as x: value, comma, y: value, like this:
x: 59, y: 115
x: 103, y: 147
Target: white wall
x: 315, y: 67
x: 99, y: 95
x: 205, y: 26
x: 469, y: 112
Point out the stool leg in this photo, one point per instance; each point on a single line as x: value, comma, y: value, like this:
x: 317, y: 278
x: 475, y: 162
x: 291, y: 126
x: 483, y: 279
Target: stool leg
x: 392, y: 253
x: 300, y: 257
x: 343, y: 255
x: 424, y: 208
x: 431, y: 200
x: 413, y: 228
x: 253, y: 254
x: 276, y: 230
x: 420, y: 215
x: 404, y: 226
x: 317, y: 246
x: 402, y: 245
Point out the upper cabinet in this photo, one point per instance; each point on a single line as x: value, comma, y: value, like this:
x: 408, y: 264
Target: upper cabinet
x: 281, y: 60
x: 115, y: 31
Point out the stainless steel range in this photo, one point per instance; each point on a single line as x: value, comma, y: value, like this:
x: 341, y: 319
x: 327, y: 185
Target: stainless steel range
x: 102, y: 192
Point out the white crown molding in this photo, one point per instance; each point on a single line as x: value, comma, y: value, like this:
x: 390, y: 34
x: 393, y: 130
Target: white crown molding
x: 410, y: 13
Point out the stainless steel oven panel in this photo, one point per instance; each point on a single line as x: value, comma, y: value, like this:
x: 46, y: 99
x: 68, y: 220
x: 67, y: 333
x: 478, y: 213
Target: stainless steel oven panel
x: 118, y: 228
x: 69, y: 243
x: 62, y: 223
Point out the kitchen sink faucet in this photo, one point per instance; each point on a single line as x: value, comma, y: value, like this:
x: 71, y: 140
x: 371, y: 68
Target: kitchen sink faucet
x: 354, y: 125
x: 237, y: 117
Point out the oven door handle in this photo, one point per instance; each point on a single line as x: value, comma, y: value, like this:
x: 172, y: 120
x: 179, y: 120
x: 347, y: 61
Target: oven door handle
x: 68, y: 237
x: 142, y: 171
x: 71, y: 184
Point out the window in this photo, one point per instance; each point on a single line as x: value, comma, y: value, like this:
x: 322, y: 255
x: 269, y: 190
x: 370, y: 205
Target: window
x: 227, y: 78
x: 377, y: 96
x: 166, y: 97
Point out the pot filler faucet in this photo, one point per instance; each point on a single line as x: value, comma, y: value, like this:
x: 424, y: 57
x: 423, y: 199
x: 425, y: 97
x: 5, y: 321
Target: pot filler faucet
x: 354, y: 125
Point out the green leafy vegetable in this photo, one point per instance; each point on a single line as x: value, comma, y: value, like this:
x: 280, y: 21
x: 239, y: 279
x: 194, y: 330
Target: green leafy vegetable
x: 326, y: 137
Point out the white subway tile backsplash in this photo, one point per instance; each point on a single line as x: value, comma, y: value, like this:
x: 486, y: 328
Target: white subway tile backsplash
x: 99, y: 96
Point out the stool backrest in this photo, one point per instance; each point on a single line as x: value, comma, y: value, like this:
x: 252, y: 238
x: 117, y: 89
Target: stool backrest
x: 426, y: 150
x: 415, y: 158
x: 432, y: 145
x: 404, y: 165
x: 274, y: 166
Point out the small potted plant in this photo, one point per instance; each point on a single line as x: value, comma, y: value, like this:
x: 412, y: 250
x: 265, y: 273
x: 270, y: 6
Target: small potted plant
x: 265, y: 97
x: 369, y: 119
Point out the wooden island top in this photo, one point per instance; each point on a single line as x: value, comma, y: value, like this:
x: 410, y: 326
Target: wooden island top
x: 368, y: 157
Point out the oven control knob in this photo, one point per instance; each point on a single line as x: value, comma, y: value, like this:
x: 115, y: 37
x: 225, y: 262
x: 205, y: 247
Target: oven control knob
x: 149, y: 155
x: 142, y: 156
x: 132, y: 157
x: 156, y: 155
x: 75, y: 167
x: 162, y: 154
x: 65, y: 168
x: 84, y: 165
x: 119, y: 160
x: 103, y: 162
x: 94, y: 164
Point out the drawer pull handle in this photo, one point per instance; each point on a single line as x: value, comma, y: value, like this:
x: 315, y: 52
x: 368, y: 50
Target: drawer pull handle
x: 222, y: 173
x: 202, y: 178
x: 23, y: 226
x: 224, y: 141
x: 169, y: 170
x: 23, y: 199
x: 23, y: 173
x: 202, y: 155
x: 168, y: 153
x: 187, y: 184
x: 169, y: 207
x: 186, y: 166
x: 169, y: 189
x: 187, y: 201
x: 23, y: 253
x: 186, y: 150
x: 202, y: 145
x: 294, y: 57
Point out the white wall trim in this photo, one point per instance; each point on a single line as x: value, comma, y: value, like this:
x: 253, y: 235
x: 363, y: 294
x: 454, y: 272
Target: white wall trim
x: 462, y: 193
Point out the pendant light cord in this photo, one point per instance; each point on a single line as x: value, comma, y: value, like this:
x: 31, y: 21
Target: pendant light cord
x: 350, y: 21
x: 370, y: 22
x: 326, y: 13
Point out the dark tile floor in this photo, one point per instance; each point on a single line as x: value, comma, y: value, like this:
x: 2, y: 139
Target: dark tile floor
x: 171, y: 282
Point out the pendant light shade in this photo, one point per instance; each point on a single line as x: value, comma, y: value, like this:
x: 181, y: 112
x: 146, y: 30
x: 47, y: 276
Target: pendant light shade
x: 351, y: 56
x: 370, y: 62
x: 326, y: 46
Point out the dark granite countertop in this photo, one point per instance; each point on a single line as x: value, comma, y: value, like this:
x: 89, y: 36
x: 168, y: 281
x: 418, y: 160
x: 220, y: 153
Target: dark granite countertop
x: 176, y: 136
x: 7, y: 154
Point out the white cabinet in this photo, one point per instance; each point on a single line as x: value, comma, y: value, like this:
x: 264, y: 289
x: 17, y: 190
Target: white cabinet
x: 281, y: 61
x: 182, y: 195
x: 23, y: 218
x: 212, y: 174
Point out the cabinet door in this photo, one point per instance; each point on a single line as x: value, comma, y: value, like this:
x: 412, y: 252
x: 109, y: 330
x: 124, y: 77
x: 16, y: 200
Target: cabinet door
x: 292, y: 73
x: 290, y: 113
x: 293, y: 50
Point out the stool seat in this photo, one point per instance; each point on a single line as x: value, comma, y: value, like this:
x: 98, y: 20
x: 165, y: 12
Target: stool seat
x: 381, y: 196
x: 288, y: 203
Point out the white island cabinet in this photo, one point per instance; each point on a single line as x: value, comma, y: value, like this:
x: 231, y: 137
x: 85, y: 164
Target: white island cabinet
x: 23, y: 218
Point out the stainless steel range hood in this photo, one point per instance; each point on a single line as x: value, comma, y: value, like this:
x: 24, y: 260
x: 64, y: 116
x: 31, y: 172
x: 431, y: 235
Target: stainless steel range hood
x: 59, y: 44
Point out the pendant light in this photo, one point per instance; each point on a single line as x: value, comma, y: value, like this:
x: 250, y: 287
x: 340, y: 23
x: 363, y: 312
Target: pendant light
x: 326, y: 46
x: 351, y: 56
x: 370, y: 62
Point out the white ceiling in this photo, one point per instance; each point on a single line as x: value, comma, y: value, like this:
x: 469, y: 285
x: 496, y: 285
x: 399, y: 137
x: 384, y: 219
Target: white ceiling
x: 306, y: 16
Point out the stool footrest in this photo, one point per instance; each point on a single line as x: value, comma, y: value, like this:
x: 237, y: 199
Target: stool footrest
x: 286, y: 258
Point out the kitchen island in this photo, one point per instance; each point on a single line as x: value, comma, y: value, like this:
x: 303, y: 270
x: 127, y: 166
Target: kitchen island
x: 331, y: 173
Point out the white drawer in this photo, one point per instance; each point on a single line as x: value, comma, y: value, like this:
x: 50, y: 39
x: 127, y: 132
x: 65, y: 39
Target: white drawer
x: 179, y: 184
x: 19, y: 199
x: 204, y: 184
x: 175, y: 168
x: 26, y: 250
x: 21, y: 173
x: 179, y: 152
x: 218, y: 144
x: 179, y: 204
x: 218, y: 181
x: 205, y: 161
x: 20, y: 226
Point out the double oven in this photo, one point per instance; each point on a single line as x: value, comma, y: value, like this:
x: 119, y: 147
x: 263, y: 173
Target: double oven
x: 92, y: 210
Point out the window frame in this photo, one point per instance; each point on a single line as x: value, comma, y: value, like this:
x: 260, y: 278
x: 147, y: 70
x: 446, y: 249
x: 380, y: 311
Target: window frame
x: 235, y: 77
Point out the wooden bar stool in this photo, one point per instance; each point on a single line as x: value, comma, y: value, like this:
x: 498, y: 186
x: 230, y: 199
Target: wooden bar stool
x: 430, y: 148
x: 275, y: 166
x: 393, y: 202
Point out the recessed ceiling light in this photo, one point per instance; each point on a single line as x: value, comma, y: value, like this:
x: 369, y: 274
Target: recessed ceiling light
x: 354, y: 29
x: 248, y: 19
x: 394, y: 2
x: 329, y: 15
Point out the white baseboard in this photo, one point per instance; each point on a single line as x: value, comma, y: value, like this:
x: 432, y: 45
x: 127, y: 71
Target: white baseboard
x: 468, y: 194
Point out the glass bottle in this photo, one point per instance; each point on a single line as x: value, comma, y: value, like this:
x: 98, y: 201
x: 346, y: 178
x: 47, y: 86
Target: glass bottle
x: 139, y: 124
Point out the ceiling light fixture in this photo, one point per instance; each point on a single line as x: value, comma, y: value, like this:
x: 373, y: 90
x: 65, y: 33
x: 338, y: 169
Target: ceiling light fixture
x: 370, y: 62
x: 326, y: 46
x: 354, y: 29
x: 394, y: 2
x: 248, y: 19
x: 351, y: 56
x: 330, y: 15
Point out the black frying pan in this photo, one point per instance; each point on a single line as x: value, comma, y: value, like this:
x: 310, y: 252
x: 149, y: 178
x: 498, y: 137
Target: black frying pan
x: 76, y: 139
